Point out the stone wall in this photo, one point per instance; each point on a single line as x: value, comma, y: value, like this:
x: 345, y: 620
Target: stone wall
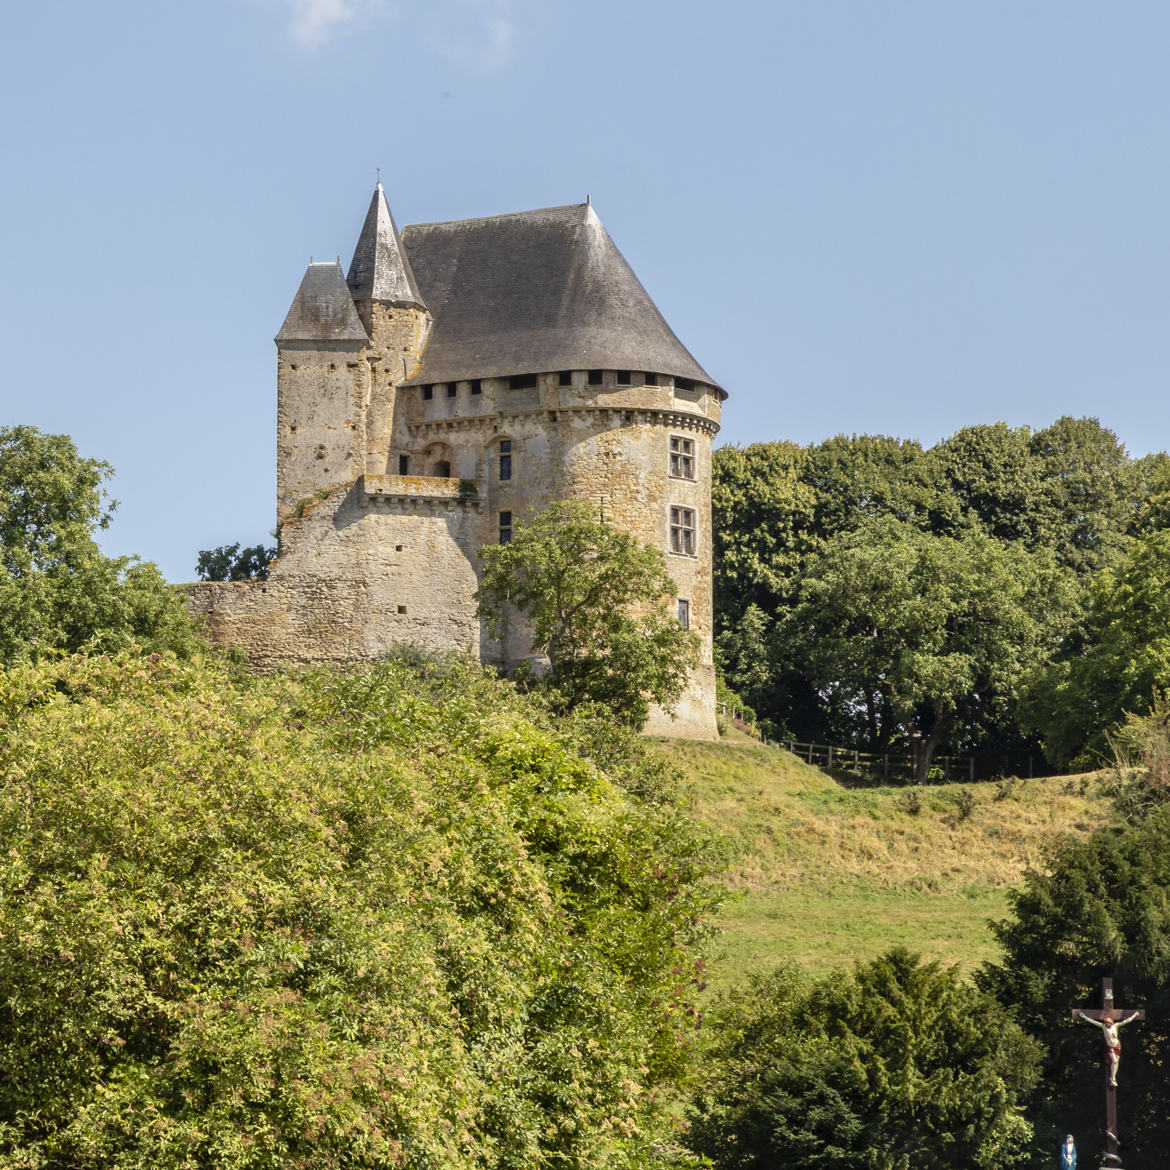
x: 371, y: 558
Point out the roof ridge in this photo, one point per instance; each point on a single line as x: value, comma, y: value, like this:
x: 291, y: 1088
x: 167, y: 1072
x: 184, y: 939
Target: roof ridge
x: 501, y: 215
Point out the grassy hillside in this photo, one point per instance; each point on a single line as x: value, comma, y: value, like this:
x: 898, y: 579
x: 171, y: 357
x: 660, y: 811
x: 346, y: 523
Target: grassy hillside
x: 823, y: 873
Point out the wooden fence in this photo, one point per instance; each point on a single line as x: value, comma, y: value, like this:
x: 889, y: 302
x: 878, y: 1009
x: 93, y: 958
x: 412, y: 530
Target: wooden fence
x: 887, y: 765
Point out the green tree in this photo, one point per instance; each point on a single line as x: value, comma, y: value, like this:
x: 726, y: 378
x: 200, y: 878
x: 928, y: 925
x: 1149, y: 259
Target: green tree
x: 906, y: 633
x: 1114, y: 663
x: 229, y: 562
x: 1099, y: 907
x: 598, y: 604
x: 896, y: 1065
x: 992, y: 481
x: 1090, y: 492
x: 395, y: 917
x: 58, y: 591
x: 764, y: 526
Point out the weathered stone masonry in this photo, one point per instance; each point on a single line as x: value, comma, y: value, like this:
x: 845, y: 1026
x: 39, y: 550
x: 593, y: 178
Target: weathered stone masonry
x: 460, y: 378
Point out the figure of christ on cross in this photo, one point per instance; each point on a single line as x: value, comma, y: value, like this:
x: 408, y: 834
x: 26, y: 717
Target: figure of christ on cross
x: 1109, y: 1019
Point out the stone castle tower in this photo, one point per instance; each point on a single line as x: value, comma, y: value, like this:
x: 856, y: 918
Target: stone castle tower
x: 461, y: 377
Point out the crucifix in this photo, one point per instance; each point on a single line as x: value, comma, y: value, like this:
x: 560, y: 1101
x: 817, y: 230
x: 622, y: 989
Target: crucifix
x: 1109, y: 1019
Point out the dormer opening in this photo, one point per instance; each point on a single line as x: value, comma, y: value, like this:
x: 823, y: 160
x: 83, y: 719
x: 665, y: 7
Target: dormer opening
x: 521, y: 381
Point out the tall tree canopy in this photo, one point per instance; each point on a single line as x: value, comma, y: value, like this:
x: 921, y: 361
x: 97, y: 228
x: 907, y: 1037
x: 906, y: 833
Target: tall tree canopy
x: 787, y: 517
x: 58, y: 591
x: 1115, y: 663
x: 896, y: 1065
x: 906, y: 634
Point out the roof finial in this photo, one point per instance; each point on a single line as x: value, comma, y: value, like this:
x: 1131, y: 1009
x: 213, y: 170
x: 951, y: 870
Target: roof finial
x: 379, y: 170
x: 588, y: 200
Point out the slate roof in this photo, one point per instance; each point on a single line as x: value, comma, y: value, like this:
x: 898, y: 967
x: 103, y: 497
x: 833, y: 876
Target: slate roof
x: 532, y: 292
x: 379, y: 270
x: 323, y: 309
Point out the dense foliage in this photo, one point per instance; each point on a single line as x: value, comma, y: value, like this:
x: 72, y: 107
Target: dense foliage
x: 598, y: 605
x: 1101, y: 908
x: 391, y: 918
x: 863, y: 567
x: 229, y: 562
x: 57, y: 590
x: 897, y: 1065
x: 1115, y: 663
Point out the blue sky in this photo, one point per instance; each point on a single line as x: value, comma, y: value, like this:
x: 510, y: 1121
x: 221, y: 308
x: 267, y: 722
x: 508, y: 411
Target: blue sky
x: 899, y: 217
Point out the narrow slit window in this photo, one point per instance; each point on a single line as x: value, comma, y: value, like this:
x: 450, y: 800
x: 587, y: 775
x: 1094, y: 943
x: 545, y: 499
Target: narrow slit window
x: 682, y: 531
x: 505, y: 459
x: 682, y: 457
x: 505, y: 527
x: 403, y: 464
x: 684, y: 613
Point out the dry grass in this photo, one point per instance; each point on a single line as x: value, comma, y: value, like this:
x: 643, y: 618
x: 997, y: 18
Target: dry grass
x: 824, y: 874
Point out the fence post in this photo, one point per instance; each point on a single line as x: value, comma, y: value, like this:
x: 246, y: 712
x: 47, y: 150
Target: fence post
x: 886, y: 766
x: 810, y: 747
x: 830, y: 763
x: 972, y: 769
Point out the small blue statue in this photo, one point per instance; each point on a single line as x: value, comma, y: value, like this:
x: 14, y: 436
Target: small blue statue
x: 1068, y: 1154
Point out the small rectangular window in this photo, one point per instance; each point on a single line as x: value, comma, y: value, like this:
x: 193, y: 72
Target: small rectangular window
x: 505, y: 527
x: 565, y: 378
x: 682, y: 531
x: 595, y: 377
x: 623, y: 378
x: 477, y: 386
x: 682, y: 457
x: 451, y: 388
x: 521, y: 381
x: 403, y: 464
x: 683, y: 384
x: 428, y: 393
x: 650, y: 379
x: 505, y: 459
x: 684, y: 613
x: 402, y: 609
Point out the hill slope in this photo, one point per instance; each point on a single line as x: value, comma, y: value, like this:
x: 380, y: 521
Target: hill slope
x: 822, y: 874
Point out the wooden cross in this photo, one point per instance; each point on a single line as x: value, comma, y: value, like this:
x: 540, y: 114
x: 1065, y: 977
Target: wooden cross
x: 1109, y: 1018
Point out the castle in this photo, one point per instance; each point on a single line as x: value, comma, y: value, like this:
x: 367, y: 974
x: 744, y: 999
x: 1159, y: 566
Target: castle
x: 463, y: 376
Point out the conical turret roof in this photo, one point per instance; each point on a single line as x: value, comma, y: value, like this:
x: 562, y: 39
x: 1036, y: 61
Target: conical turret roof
x: 323, y: 309
x: 536, y: 291
x: 379, y: 270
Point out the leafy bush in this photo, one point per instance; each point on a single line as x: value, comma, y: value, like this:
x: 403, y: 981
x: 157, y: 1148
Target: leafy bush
x: 388, y: 918
x: 896, y: 1065
x: 1100, y: 907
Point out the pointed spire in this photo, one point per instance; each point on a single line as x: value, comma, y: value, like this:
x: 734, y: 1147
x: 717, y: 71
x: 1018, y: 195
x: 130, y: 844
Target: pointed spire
x: 322, y: 310
x: 379, y: 270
